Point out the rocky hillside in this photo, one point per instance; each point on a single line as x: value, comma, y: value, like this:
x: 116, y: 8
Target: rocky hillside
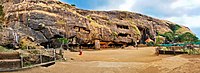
x: 41, y: 21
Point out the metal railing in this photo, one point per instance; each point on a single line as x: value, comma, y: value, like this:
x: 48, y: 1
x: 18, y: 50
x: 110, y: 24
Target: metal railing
x: 34, y: 58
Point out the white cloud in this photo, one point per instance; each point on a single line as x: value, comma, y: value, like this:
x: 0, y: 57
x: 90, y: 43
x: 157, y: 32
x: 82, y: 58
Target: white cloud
x: 184, y: 12
x: 125, y: 5
x: 190, y: 21
x: 187, y: 4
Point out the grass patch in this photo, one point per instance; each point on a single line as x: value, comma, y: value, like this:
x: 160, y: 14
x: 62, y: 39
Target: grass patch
x: 137, y: 31
x: 1, y: 14
x: 3, y: 49
x: 61, y: 22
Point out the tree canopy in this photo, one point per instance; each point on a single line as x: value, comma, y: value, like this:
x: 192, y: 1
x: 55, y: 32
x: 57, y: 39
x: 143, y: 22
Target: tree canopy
x: 175, y: 27
x: 170, y: 36
x: 187, y: 37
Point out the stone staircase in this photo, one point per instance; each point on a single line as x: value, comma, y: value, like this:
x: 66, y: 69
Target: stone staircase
x: 9, y: 61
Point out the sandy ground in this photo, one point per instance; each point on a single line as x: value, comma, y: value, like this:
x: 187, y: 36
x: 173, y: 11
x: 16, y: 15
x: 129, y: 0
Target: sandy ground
x: 128, y: 60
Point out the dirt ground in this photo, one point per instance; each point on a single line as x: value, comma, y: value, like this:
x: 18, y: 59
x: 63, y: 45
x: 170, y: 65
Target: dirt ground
x: 128, y: 60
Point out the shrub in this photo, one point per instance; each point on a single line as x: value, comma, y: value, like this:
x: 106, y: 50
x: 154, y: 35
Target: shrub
x: 27, y: 43
x: 169, y: 36
x: 175, y: 27
x: 1, y: 10
x: 73, y: 5
x: 187, y: 37
x: 159, y: 40
x: 150, y: 43
x: 1, y: 14
x: 61, y: 22
x: 3, y: 49
x: 63, y: 40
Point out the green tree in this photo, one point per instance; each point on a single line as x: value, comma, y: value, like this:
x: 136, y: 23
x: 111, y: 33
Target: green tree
x: 175, y: 27
x: 170, y: 36
x: 187, y: 37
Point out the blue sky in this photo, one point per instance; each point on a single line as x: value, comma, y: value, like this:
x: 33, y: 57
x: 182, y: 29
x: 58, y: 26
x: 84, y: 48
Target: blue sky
x: 183, y: 12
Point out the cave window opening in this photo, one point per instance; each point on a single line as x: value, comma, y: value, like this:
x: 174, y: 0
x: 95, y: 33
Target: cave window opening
x: 122, y: 26
x: 81, y: 29
x: 42, y: 2
x: 21, y: 18
x: 124, y: 35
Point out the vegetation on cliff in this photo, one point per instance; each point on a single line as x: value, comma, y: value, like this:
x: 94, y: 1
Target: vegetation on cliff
x: 187, y: 37
x: 1, y: 14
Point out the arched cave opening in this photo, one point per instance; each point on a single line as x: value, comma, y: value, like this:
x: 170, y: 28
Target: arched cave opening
x: 145, y: 34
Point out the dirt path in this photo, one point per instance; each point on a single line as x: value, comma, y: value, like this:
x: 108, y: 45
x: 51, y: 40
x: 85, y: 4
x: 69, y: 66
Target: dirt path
x: 129, y: 60
x: 129, y: 54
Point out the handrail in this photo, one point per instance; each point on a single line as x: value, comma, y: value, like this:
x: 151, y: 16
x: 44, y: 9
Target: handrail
x: 22, y: 63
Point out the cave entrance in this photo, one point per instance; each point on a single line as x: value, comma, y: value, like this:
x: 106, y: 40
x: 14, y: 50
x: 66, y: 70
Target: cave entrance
x: 145, y: 32
x: 53, y: 42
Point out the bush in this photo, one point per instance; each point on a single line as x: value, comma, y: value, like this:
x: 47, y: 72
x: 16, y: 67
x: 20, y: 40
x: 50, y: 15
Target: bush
x: 175, y: 27
x: 3, y: 49
x: 160, y: 40
x: 187, y: 37
x: 1, y: 14
x: 61, y: 22
x: 170, y: 36
x: 73, y: 5
x: 150, y: 43
x: 1, y: 10
x: 63, y: 40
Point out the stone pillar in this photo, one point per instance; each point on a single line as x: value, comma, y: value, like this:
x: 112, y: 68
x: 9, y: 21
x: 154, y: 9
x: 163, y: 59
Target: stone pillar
x: 97, y: 44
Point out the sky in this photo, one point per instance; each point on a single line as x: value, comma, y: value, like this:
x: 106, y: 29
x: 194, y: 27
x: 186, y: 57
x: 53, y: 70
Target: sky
x: 183, y: 12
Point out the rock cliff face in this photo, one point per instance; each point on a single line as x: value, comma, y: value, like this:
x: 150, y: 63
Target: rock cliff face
x: 45, y: 20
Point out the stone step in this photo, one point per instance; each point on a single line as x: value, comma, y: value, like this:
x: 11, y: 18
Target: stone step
x: 9, y: 55
x: 10, y: 64
x: 10, y: 60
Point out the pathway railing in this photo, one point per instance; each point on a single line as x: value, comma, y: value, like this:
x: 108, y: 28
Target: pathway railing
x: 28, y: 59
